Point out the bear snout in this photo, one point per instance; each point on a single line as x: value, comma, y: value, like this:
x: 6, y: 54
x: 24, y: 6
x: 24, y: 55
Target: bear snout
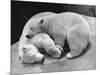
x: 29, y: 36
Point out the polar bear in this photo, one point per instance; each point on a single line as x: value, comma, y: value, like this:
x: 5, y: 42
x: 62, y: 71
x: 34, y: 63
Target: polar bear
x: 29, y: 54
x: 68, y: 26
x: 43, y: 41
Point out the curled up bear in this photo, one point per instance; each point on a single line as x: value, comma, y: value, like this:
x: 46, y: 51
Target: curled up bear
x: 63, y: 27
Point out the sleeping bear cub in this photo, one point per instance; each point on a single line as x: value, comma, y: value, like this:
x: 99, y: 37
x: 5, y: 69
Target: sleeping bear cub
x: 43, y: 40
x: 29, y: 53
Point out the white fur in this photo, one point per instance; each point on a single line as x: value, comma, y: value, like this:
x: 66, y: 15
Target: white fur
x: 31, y: 55
x: 43, y: 40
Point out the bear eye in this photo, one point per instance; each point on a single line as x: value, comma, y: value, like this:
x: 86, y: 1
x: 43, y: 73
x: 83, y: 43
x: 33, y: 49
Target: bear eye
x: 25, y: 50
x: 31, y: 28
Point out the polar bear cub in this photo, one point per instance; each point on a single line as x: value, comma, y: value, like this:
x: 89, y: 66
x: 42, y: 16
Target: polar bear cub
x: 29, y: 54
x: 43, y: 40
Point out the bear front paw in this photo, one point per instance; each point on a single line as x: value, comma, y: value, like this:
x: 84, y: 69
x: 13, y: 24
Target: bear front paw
x: 55, y: 52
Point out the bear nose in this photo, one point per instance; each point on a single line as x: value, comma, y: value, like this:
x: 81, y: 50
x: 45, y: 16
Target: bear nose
x: 29, y: 36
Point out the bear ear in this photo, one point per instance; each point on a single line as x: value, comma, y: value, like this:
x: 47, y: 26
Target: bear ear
x: 41, y: 24
x: 41, y: 21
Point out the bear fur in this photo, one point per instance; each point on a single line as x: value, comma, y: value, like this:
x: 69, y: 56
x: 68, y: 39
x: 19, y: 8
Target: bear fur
x: 28, y: 53
x: 43, y: 41
x: 68, y: 26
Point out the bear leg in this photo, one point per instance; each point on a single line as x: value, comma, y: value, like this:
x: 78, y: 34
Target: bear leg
x: 78, y: 40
